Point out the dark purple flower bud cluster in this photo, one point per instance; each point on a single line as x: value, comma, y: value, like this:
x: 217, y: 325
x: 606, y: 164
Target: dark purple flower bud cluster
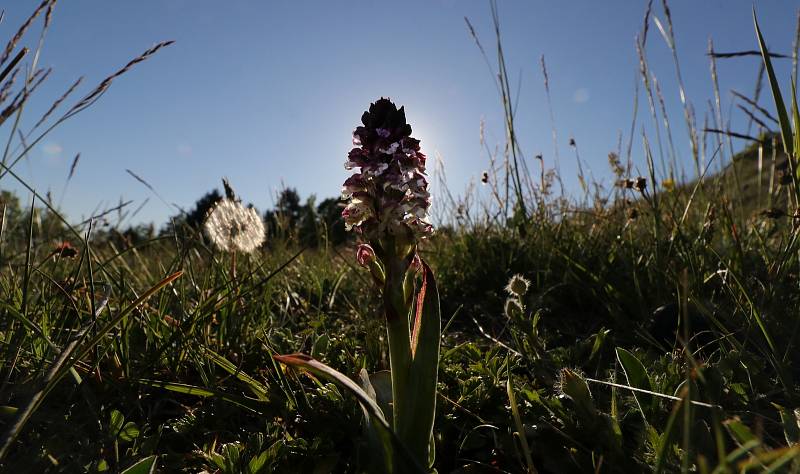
x: 389, y: 195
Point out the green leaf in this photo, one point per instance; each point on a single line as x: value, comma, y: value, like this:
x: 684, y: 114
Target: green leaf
x: 742, y: 450
x: 520, y: 433
x: 791, y: 424
x: 218, y: 461
x: 783, y: 117
x: 187, y: 389
x: 796, y: 121
x: 320, y: 346
x: 376, y: 458
x: 739, y: 432
x: 233, y: 454
x: 398, y: 459
x: 637, y: 377
x: 421, y: 389
x: 180, y: 388
x: 599, y: 339
x: 317, y: 368
x: 665, y: 440
x: 260, y: 390
x: 69, y: 356
x: 575, y: 387
x: 115, y: 422
x: 257, y: 462
x: 379, y: 387
x: 143, y: 466
x: 129, y: 432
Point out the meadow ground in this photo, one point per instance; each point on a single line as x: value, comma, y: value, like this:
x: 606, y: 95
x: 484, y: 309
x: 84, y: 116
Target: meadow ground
x: 659, y: 331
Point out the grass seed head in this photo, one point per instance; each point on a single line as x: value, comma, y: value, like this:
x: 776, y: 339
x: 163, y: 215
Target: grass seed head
x: 640, y: 184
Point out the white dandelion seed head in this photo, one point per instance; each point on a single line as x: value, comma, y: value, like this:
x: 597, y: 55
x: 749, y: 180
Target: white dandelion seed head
x: 513, y: 307
x: 233, y: 227
x: 517, y: 286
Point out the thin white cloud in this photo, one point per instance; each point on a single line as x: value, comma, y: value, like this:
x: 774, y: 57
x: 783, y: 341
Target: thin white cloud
x: 52, y: 149
x: 581, y: 96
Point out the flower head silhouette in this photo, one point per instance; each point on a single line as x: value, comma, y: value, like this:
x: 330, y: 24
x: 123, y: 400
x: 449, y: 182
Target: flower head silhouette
x: 388, y: 195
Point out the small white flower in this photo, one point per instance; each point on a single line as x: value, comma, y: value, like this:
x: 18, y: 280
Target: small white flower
x: 418, y: 193
x: 356, y: 212
x: 374, y: 169
x: 395, y: 185
x: 419, y: 225
x: 513, y: 307
x: 420, y: 213
x: 234, y: 227
x: 390, y: 149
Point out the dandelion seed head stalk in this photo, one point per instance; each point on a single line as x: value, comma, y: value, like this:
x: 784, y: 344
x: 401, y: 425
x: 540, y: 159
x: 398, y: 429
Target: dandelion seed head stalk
x: 388, y: 198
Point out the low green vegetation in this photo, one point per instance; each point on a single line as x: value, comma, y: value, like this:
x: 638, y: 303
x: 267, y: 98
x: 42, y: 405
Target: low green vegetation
x: 651, y: 325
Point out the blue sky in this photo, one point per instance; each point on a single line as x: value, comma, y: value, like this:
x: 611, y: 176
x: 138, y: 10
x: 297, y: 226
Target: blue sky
x: 267, y: 93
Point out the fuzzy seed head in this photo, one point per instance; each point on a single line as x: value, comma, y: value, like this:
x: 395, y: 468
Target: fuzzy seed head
x: 233, y: 227
x: 513, y: 308
x: 517, y: 286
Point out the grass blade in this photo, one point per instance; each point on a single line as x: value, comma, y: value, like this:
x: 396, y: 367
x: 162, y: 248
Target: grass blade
x: 259, y: 389
x: 783, y: 117
x: 69, y: 357
x: 637, y: 377
x: 144, y: 466
x: 398, y: 459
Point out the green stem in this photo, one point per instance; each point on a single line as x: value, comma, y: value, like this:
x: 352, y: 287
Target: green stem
x: 397, y: 308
